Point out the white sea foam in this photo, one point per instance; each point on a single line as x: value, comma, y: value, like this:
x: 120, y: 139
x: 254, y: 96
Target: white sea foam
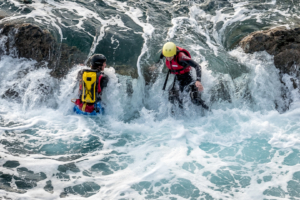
x: 228, y: 153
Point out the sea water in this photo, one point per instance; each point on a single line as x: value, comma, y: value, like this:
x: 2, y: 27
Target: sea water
x: 245, y: 147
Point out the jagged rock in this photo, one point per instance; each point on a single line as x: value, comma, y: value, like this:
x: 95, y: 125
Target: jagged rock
x: 31, y: 42
x: 34, y: 43
x: 288, y: 61
x: 122, y: 70
x: 126, y: 70
x: 281, y: 42
x: 10, y: 93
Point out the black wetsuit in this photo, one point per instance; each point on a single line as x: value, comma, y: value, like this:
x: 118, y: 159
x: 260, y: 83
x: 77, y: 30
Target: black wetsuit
x: 186, y: 82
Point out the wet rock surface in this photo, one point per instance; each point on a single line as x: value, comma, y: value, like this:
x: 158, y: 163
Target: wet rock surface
x: 46, y: 50
x: 281, y: 42
x: 30, y: 41
x: 126, y: 71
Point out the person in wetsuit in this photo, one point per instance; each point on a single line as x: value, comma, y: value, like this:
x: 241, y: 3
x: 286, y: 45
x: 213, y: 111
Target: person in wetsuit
x: 97, y: 63
x: 180, y: 63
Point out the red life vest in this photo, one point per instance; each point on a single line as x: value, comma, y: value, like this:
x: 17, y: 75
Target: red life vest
x: 175, y: 67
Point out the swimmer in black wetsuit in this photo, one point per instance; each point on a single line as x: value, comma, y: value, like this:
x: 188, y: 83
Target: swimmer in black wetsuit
x: 180, y: 63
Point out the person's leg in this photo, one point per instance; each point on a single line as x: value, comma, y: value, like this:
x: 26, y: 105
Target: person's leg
x: 196, y: 97
x: 174, y: 93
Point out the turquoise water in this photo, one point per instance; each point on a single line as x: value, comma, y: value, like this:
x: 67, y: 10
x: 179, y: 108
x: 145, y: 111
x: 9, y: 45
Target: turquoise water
x: 247, y: 147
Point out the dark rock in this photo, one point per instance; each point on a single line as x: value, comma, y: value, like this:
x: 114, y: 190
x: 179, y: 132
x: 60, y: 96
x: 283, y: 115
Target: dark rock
x: 126, y: 70
x: 11, y: 164
x: 123, y: 70
x: 11, y: 94
x: 59, y: 57
x: 43, y: 48
x: 287, y: 60
x: 281, y: 42
x: 295, y: 84
x: 5, y: 178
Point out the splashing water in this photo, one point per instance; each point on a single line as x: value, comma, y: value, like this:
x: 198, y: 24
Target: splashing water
x: 247, y: 147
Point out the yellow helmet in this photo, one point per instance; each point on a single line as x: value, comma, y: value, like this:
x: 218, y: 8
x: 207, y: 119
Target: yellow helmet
x: 169, y: 49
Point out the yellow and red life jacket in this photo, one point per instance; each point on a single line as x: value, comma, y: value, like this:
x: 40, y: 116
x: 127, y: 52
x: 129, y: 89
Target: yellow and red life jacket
x: 90, y: 90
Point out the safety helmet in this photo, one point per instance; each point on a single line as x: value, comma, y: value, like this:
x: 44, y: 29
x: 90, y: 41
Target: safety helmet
x: 97, y: 60
x: 169, y: 49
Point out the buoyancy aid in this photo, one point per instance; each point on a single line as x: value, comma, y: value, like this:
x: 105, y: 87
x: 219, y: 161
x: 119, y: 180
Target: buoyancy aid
x: 175, y: 66
x: 89, y: 90
x: 90, y: 85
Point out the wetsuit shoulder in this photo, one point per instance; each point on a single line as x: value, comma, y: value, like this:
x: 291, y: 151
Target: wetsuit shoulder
x: 184, y: 60
x: 183, y: 57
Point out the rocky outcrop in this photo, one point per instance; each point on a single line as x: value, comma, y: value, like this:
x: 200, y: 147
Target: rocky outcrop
x: 30, y: 41
x: 284, y: 45
x: 281, y: 42
x: 126, y: 71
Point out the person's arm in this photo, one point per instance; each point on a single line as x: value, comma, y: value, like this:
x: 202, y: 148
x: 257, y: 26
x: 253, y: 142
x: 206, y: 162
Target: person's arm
x: 104, y: 81
x: 187, y: 61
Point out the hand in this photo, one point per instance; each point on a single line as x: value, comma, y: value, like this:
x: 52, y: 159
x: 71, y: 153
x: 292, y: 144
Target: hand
x: 199, y: 86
